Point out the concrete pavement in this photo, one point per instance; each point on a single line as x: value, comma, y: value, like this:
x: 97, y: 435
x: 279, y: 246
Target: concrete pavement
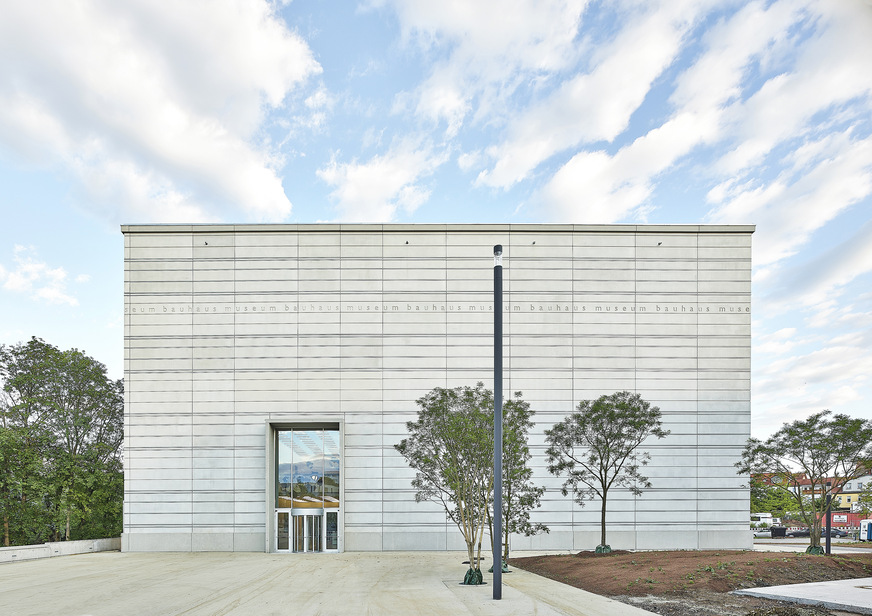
x: 837, y: 546
x: 237, y: 584
x: 846, y: 595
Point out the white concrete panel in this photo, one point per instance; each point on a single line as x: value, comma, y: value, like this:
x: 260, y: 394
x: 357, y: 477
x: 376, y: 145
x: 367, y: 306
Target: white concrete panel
x: 339, y: 362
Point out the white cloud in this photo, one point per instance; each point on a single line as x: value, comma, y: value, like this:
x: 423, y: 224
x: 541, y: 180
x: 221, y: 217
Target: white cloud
x: 820, y: 280
x: 831, y: 69
x: 596, y: 187
x: 483, y: 51
x: 826, y: 362
x: 36, y: 279
x: 837, y: 365
x: 790, y: 208
x: 152, y: 103
x: 831, y: 376
x: 816, y: 109
x: 787, y: 406
x: 778, y: 342
x: 717, y: 76
x: 818, y: 181
x: 595, y: 106
x: 468, y: 160
x: 375, y: 190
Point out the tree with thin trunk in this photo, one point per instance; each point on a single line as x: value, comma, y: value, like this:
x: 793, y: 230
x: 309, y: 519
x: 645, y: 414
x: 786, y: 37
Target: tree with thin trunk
x: 450, y: 447
x: 804, y: 456
x: 597, y: 449
x: 520, y: 495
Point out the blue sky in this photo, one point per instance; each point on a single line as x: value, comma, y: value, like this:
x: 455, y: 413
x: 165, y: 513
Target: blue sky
x: 510, y: 111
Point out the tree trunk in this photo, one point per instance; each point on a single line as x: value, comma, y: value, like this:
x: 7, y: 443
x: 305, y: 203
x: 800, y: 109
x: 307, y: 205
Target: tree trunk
x: 468, y: 535
x: 480, y: 534
x: 490, y: 526
x: 6, y: 530
x: 603, y: 521
x: 814, y: 533
x: 478, y: 554
x: 67, y: 534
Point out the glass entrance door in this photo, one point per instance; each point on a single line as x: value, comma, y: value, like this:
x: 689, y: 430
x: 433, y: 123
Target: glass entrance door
x: 283, y: 536
x: 308, y: 533
x: 307, y: 490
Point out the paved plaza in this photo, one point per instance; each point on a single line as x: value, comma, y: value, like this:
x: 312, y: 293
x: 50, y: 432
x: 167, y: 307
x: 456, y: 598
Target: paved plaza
x: 210, y: 583
x: 225, y: 583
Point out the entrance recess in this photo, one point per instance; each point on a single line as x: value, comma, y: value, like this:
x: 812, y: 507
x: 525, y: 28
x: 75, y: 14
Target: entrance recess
x: 307, y: 490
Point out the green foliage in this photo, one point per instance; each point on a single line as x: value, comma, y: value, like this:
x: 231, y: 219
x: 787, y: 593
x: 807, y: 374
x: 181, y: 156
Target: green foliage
x: 520, y: 495
x: 450, y: 447
x: 864, y: 500
x: 808, y: 454
x: 770, y: 499
x: 61, y: 428
x: 596, y: 448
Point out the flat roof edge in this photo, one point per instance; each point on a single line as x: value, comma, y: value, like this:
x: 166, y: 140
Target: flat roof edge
x: 430, y: 227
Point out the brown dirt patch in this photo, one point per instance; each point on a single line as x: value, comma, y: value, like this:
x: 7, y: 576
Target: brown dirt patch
x: 688, y: 582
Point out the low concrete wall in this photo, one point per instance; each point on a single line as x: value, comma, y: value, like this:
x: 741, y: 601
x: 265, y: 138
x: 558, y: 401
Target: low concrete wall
x: 58, y: 548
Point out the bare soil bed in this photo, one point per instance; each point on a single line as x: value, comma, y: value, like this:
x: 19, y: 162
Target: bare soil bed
x: 685, y: 583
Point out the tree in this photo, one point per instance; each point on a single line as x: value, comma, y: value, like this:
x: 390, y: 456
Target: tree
x: 87, y: 421
x: 804, y: 455
x: 61, y: 428
x: 597, y: 448
x: 23, y: 482
x: 769, y: 499
x: 450, y: 447
x: 26, y: 440
x: 520, y: 496
x: 864, y: 500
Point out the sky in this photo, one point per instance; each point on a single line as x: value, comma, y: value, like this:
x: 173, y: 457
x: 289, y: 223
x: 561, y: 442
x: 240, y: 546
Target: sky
x: 493, y: 111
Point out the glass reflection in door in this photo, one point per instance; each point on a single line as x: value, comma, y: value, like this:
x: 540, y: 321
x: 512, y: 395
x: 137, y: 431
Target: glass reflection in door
x: 307, y: 533
x: 307, y: 489
x: 282, y: 527
x: 332, y: 531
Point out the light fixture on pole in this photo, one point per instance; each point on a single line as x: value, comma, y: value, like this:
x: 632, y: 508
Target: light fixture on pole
x: 498, y: 422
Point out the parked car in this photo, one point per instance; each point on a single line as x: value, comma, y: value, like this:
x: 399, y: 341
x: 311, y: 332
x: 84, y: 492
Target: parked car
x: 804, y: 532
x: 763, y: 532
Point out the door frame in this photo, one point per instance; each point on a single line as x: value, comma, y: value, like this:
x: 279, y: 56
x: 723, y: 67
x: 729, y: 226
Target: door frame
x: 302, y: 422
x: 298, y: 513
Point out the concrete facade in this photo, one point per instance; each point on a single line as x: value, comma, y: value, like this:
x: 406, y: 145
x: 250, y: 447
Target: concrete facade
x: 232, y: 332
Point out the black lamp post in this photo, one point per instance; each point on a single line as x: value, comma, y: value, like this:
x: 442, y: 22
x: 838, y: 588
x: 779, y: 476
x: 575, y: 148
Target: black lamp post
x: 498, y: 422
x: 829, y: 516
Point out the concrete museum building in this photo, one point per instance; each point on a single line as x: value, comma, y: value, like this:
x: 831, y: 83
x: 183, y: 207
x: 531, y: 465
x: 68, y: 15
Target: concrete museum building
x: 270, y: 369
